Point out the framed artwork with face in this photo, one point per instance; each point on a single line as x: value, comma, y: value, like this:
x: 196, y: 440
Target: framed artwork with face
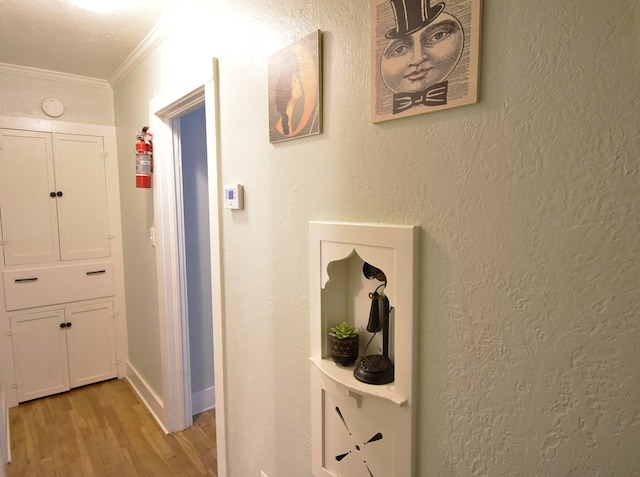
x: 295, y: 90
x: 424, y: 56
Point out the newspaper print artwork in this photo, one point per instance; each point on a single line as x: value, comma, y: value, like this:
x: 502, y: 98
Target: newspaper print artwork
x: 424, y: 56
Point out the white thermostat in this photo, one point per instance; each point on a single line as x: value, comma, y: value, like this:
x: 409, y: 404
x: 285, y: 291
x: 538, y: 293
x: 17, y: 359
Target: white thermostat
x: 233, y: 196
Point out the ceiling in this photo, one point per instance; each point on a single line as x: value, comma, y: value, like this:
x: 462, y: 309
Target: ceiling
x: 57, y: 35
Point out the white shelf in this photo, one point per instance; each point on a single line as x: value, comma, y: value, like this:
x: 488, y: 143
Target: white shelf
x: 343, y: 375
x: 343, y: 408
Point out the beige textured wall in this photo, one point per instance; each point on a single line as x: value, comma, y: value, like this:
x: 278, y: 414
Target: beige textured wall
x: 529, y: 208
x: 131, y: 98
x: 22, y: 96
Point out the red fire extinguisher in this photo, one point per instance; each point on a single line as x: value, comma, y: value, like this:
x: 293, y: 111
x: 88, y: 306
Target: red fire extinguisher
x: 144, y: 158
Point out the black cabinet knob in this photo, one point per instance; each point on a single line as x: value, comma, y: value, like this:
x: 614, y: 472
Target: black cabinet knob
x: 52, y: 194
x: 68, y: 325
x: 59, y: 193
x: 62, y: 325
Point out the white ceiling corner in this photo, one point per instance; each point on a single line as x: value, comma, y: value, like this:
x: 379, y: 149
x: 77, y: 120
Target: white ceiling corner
x: 58, y: 40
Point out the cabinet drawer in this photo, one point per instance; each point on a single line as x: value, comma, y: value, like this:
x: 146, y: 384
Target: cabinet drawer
x: 50, y: 286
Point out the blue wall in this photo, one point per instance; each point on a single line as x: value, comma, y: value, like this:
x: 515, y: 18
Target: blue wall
x: 196, y: 224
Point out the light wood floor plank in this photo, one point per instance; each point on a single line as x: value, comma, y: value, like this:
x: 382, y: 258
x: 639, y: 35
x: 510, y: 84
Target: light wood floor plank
x: 103, y: 430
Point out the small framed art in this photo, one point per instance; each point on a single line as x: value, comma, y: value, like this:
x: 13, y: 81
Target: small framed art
x: 424, y: 56
x: 295, y: 90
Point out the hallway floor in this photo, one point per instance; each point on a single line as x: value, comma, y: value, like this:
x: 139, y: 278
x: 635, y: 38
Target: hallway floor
x: 103, y: 430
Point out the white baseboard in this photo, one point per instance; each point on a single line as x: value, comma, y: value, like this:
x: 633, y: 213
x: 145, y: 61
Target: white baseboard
x: 148, y: 397
x: 5, y: 435
x: 203, y: 400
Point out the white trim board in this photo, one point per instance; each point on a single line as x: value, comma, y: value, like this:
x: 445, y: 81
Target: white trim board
x: 203, y: 400
x: 148, y: 397
x: 5, y: 434
x: 49, y: 75
x: 163, y: 110
x: 65, y: 127
x: 146, y: 46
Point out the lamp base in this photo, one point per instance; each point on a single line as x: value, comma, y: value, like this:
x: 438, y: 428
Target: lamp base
x: 374, y: 369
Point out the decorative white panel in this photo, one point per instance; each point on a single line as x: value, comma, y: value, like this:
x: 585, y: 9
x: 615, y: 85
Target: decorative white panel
x: 360, y: 429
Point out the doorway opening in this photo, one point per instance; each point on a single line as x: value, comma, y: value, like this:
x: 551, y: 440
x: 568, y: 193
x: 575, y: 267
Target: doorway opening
x: 181, y: 119
x: 192, y: 158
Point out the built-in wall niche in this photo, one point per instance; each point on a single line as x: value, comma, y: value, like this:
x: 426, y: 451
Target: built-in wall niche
x: 345, y: 297
x: 361, y: 429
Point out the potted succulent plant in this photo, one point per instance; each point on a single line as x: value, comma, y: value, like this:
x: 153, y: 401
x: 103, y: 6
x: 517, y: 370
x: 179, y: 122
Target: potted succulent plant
x: 344, y: 344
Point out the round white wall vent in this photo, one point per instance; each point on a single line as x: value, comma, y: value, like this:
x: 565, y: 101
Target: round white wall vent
x: 53, y: 107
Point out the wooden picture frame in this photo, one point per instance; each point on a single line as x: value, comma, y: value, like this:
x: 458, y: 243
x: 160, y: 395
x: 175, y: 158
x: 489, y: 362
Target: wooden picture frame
x: 424, y: 56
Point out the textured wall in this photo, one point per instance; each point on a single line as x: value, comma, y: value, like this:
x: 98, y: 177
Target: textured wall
x: 528, y: 204
x: 22, y: 96
x: 131, y: 100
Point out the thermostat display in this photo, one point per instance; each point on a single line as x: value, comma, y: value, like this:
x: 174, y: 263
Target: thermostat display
x: 233, y: 196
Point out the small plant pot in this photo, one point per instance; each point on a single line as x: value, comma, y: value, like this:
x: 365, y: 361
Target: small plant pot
x: 344, y: 352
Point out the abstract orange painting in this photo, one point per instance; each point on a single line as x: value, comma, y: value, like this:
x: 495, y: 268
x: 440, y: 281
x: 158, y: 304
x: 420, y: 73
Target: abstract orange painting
x: 295, y: 90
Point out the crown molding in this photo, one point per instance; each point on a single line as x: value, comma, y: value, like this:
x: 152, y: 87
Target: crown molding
x: 56, y: 126
x: 52, y: 75
x: 146, y: 46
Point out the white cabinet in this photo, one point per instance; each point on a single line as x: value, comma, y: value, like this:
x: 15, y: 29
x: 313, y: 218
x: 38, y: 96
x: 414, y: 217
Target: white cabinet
x: 30, y: 287
x: 59, y: 349
x: 62, y: 306
x: 53, y: 197
x: 26, y: 165
x: 40, y: 354
x: 90, y: 343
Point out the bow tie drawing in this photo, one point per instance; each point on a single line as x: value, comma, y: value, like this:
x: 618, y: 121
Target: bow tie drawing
x: 434, y: 95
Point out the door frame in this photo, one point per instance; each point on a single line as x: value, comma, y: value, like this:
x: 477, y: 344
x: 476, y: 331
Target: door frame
x: 176, y: 380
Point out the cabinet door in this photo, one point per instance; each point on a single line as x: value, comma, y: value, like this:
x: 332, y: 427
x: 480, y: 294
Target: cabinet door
x: 27, y: 210
x: 40, y: 354
x: 91, y: 343
x: 82, y: 207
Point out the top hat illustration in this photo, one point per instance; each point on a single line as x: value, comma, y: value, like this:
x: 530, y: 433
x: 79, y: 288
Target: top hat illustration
x: 412, y: 15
